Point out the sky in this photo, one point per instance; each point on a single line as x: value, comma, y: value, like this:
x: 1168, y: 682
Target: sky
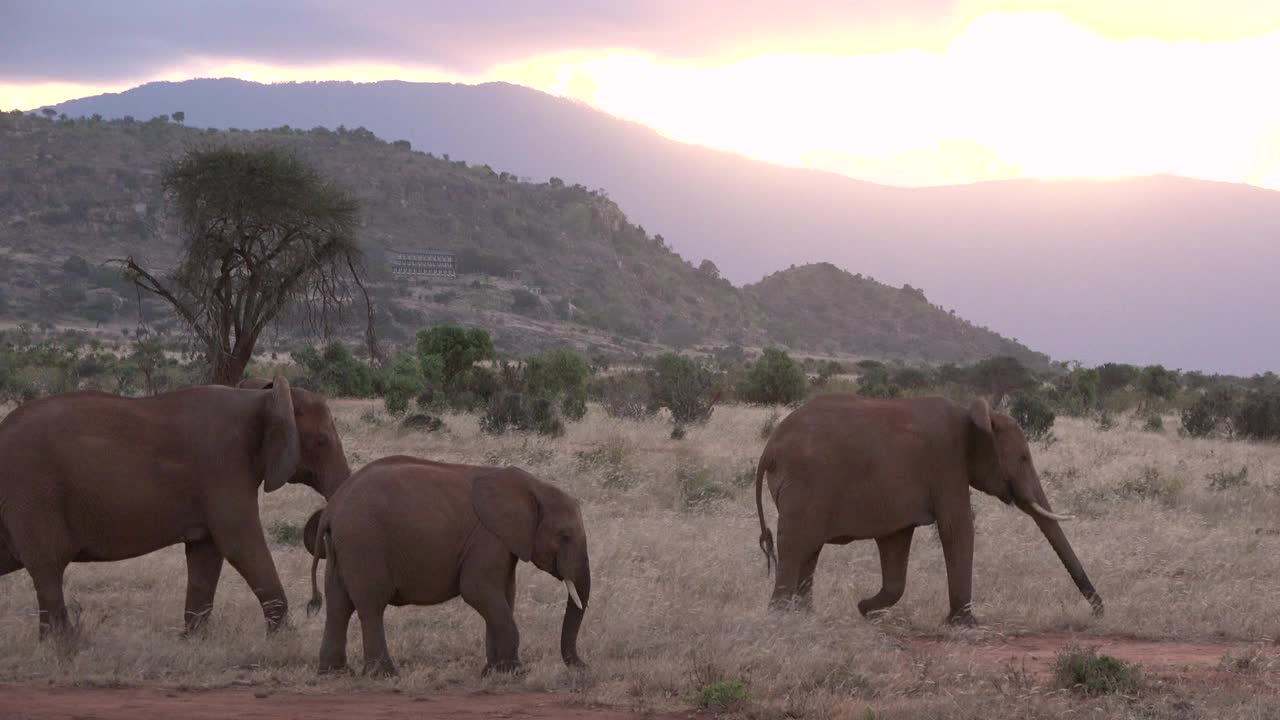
x: 903, y: 92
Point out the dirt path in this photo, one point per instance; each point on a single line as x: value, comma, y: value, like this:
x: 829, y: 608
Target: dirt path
x: 1036, y: 653
x: 43, y: 703
x: 1187, y: 663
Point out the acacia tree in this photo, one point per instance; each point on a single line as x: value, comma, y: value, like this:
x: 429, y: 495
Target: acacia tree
x: 261, y: 232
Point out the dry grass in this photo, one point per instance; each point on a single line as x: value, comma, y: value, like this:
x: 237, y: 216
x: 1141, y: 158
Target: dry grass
x: 680, y: 590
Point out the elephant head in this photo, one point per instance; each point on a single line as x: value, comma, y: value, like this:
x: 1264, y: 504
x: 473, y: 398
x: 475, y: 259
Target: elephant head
x: 542, y: 525
x: 1000, y: 464
x: 300, y: 442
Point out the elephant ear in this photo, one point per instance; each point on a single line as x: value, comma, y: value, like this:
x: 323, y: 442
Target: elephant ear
x: 309, y: 535
x: 281, y: 451
x: 984, y: 459
x: 507, y: 506
x: 254, y: 384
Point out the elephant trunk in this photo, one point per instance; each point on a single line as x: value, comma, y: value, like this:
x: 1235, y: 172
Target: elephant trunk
x: 581, y: 583
x: 1052, y: 531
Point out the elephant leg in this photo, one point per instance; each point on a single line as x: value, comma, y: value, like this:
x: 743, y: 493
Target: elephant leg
x: 54, y: 621
x: 337, y: 618
x: 204, y: 566
x: 377, y: 658
x: 804, y: 585
x: 894, y: 549
x: 957, y: 551
x: 244, y: 546
x: 492, y: 598
x: 797, y: 560
x: 490, y: 637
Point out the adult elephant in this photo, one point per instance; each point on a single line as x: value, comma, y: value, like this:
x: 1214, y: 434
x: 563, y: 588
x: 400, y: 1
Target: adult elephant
x: 406, y: 531
x: 90, y: 477
x: 843, y: 468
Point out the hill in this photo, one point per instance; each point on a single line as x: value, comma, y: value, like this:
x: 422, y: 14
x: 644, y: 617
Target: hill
x: 1156, y: 269
x: 76, y: 193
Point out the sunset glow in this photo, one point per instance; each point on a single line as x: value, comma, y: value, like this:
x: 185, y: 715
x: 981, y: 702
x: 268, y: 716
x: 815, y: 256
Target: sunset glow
x: 1028, y: 93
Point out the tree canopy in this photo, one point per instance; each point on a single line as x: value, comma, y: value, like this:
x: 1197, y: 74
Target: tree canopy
x: 261, y: 232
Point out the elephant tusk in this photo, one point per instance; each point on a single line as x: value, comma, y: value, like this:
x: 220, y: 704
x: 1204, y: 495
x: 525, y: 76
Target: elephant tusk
x: 1051, y: 515
x: 573, y: 594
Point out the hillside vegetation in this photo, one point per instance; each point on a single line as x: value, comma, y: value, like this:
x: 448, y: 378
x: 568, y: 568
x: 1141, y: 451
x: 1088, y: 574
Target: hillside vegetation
x: 542, y: 262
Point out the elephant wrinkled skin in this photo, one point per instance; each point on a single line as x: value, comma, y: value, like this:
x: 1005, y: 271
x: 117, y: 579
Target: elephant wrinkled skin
x: 406, y: 531
x: 843, y: 468
x: 90, y: 477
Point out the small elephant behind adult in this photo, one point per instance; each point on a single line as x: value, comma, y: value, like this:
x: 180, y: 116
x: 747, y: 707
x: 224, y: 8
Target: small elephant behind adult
x: 93, y: 477
x: 406, y: 531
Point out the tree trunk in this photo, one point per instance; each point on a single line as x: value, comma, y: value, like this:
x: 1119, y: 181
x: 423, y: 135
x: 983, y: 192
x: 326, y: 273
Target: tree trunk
x: 228, y: 369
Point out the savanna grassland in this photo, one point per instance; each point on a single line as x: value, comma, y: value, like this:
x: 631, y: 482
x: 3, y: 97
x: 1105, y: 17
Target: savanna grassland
x: 1182, y: 545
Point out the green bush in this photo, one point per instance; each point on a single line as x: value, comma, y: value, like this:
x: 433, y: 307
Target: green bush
x: 1210, y: 413
x: 446, y: 351
x: 336, y: 372
x: 1078, y: 392
x: 723, y: 696
x: 1033, y: 415
x: 1259, y: 415
x: 284, y: 533
x: 560, y: 375
x: 774, y: 379
x: 684, y: 387
x: 1087, y: 671
x: 401, y: 382
x: 1115, y: 376
x: 1154, y: 424
x: 1156, y: 382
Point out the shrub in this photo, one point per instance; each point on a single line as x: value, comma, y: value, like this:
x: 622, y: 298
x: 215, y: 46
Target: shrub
x: 1154, y: 424
x: 336, y: 372
x: 1152, y: 485
x: 698, y: 488
x: 517, y: 411
x: 1210, y: 412
x: 684, y: 387
x: 284, y: 533
x: 910, y: 378
x: 445, y: 351
x: 1259, y: 416
x: 524, y: 302
x: 1085, y: 670
x: 626, y: 395
x: 1156, y: 382
x: 723, y: 696
x: 1033, y: 415
x: 401, y: 382
x: 770, y: 423
x: 1227, y: 480
x: 774, y: 379
x: 1105, y: 421
x: 422, y: 422
x: 560, y: 375
x: 1078, y: 391
x: 1115, y: 376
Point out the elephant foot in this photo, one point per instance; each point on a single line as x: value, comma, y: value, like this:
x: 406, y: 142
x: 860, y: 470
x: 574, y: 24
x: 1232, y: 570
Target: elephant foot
x: 503, y: 667
x: 575, y: 662
x: 962, y: 618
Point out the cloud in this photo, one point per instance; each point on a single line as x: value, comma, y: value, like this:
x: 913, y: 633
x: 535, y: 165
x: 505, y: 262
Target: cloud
x: 98, y: 42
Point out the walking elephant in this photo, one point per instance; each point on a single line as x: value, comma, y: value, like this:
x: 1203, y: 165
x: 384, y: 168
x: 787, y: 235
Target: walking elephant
x: 91, y: 477
x: 843, y: 468
x: 405, y: 531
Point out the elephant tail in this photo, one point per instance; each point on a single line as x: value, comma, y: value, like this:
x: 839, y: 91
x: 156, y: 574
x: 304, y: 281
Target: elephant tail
x: 766, y: 535
x: 324, y: 548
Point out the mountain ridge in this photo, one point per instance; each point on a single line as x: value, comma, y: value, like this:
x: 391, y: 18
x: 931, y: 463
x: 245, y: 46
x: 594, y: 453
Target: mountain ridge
x: 1147, y: 270
x: 75, y: 193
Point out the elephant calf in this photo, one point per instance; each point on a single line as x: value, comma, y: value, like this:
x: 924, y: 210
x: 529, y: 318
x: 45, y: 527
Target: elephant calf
x: 406, y: 531
x: 843, y: 468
